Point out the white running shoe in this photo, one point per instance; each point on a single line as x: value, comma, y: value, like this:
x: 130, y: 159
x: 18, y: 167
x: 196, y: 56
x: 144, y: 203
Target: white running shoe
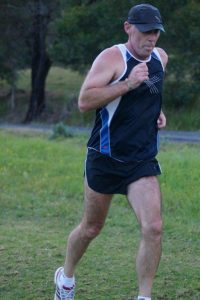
x: 62, y: 292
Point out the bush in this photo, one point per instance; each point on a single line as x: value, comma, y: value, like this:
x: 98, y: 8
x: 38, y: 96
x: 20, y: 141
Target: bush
x: 61, y: 130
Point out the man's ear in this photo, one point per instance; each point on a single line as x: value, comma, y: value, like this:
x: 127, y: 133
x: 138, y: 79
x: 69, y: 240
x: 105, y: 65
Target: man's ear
x: 127, y: 27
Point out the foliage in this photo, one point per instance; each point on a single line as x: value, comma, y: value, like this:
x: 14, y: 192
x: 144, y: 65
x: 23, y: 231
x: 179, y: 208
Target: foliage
x: 183, y: 81
x: 42, y: 200
x: 95, y: 27
x: 86, y: 27
x: 13, y: 33
x: 61, y: 130
x: 16, y: 31
x: 23, y: 39
x: 85, y: 30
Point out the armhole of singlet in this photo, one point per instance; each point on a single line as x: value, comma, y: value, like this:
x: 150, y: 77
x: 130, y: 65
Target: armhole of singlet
x: 159, y: 57
x: 123, y: 51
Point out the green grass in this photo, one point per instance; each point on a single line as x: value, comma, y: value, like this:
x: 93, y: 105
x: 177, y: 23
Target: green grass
x: 41, y: 200
x: 183, y: 119
x: 62, y: 89
x: 61, y: 81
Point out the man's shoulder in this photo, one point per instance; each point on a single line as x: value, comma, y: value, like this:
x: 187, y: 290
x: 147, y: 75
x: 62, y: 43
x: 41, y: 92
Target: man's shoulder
x: 110, y: 58
x: 111, y: 52
x: 163, y: 56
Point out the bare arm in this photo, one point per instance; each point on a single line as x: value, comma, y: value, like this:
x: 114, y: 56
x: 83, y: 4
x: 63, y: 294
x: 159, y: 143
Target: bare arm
x: 97, y: 91
x: 164, y: 56
x: 161, y: 122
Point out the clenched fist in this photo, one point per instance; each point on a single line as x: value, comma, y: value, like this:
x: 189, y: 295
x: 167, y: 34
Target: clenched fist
x: 138, y: 74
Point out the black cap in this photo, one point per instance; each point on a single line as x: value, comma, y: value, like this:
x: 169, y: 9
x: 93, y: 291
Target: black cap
x: 145, y: 17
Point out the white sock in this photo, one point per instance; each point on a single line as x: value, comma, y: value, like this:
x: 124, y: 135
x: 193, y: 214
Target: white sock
x: 143, y: 298
x: 67, y: 281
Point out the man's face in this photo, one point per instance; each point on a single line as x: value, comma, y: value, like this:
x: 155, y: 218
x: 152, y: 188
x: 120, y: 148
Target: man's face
x: 142, y: 43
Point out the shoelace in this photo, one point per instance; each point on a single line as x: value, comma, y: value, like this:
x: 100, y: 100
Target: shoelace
x: 67, y: 294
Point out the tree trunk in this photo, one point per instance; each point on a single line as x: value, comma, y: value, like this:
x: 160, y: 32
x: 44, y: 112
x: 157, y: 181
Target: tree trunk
x: 37, y: 99
x: 13, y: 96
x: 41, y: 62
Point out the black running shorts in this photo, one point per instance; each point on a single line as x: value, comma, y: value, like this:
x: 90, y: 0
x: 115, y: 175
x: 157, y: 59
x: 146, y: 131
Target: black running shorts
x: 109, y: 176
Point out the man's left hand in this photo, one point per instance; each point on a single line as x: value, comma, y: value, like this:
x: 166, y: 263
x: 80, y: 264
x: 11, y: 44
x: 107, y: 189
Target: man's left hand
x: 161, y: 122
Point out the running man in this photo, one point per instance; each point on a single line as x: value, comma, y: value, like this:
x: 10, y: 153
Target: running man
x: 124, y: 86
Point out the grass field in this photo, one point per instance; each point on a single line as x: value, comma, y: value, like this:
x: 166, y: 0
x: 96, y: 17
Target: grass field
x: 41, y: 187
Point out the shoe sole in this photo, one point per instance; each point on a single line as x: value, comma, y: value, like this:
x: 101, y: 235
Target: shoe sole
x: 55, y: 277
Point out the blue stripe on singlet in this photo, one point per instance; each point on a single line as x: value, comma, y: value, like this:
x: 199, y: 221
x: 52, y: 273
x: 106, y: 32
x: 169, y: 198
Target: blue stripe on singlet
x: 128, y: 56
x: 104, y: 133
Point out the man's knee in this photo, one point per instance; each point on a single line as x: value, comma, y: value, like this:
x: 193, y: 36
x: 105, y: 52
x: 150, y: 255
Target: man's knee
x: 152, y: 230
x: 90, y: 231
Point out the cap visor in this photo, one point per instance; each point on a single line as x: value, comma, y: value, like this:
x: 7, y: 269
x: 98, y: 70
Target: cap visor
x: 149, y: 27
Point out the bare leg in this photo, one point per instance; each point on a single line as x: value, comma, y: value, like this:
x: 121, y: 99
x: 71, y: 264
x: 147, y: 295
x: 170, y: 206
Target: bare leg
x: 95, y: 212
x: 144, y: 196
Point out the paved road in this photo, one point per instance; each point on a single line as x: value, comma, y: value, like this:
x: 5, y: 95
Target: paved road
x: 181, y: 136
x: 173, y: 136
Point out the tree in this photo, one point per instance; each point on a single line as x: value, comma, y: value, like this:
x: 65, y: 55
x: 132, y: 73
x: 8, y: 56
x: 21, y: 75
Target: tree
x: 86, y: 29
x: 42, y: 12
x: 13, y: 50
x: 184, y: 84
x: 40, y: 61
x: 24, y: 29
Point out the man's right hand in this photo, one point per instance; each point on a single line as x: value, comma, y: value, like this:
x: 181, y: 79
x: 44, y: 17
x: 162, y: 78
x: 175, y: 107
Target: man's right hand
x: 138, y: 74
